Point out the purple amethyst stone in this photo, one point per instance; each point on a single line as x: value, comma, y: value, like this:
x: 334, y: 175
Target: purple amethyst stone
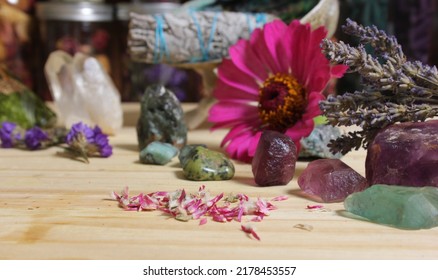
x: 404, y: 154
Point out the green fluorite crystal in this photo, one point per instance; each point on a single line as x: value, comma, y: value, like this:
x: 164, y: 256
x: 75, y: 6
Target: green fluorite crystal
x: 202, y: 164
x: 20, y: 105
x: 398, y: 206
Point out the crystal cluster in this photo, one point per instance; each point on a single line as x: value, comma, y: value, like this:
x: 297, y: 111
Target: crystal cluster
x: 404, y: 154
x: 83, y: 92
x: 398, y: 206
x: 331, y: 180
x: 274, y: 160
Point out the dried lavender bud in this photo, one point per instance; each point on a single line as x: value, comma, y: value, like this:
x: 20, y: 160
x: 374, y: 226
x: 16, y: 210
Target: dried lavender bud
x: 395, y: 90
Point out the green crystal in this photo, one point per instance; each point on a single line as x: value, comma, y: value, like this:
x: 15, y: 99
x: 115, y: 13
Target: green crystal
x: 399, y: 206
x: 158, y: 153
x: 202, y: 164
x: 20, y: 105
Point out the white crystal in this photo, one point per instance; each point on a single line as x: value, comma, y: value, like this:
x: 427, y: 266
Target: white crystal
x: 83, y: 91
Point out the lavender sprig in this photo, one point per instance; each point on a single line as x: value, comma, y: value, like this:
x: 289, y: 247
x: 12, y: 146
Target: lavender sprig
x: 396, y: 90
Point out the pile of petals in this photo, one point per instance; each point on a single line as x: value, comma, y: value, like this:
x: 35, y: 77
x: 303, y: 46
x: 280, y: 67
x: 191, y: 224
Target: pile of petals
x: 185, y: 207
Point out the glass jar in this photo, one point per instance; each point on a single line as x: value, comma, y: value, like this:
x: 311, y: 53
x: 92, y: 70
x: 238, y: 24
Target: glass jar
x: 77, y: 26
x: 137, y: 76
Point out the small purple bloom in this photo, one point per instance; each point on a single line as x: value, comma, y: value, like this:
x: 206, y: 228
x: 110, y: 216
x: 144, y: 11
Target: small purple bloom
x: 7, y: 135
x: 78, y: 132
x: 88, y: 141
x: 101, y: 141
x: 34, y: 138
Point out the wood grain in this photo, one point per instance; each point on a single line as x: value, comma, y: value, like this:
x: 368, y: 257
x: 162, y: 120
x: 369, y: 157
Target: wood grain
x: 52, y: 207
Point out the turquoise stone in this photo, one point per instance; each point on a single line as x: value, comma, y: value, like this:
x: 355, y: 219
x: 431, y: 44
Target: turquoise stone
x: 158, y: 153
x: 202, y: 164
x: 398, y: 206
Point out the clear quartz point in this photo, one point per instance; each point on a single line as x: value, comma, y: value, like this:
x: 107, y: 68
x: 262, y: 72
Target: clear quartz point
x: 83, y: 91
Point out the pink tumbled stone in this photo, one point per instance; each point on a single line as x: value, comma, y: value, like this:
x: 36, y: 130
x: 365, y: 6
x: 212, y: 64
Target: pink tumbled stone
x: 331, y: 180
x: 274, y: 160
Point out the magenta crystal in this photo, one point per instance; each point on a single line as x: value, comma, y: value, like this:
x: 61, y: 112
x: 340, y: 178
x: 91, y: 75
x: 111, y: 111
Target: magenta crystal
x: 274, y: 160
x: 404, y: 154
x: 331, y: 180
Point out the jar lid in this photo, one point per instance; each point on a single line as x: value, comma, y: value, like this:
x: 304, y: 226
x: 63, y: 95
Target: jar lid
x: 123, y: 9
x: 74, y: 11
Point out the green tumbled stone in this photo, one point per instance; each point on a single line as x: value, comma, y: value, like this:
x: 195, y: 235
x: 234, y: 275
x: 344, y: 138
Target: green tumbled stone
x: 184, y: 153
x: 158, y: 153
x: 202, y: 164
x: 398, y: 206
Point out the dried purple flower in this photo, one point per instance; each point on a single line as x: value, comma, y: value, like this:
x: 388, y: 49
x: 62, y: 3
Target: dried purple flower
x: 102, y: 143
x: 9, y: 135
x: 35, y: 137
x: 395, y: 89
x: 86, y: 141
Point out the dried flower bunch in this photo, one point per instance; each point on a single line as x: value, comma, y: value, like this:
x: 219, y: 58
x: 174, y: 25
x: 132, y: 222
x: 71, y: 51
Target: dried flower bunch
x: 395, y: 89
x: 81, y: 140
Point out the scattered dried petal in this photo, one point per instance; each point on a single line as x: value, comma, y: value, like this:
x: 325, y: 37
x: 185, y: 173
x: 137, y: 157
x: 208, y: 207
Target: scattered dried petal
x: 248, y: 228
x: 315, y: 206
x: 280, y: 198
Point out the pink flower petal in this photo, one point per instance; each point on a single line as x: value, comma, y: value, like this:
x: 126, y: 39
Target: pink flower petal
x: 229, y: 74
x: 203, y: 221
x: 250, y: 230
x: 280, y: 198
x: 258, y: 44
x: 226, y: 111
x: 247, y: 61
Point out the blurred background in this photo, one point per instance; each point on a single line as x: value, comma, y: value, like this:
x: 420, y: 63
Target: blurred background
x: 30, y: 30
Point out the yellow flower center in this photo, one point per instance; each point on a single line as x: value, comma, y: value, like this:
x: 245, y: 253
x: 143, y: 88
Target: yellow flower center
x: 282, y: 102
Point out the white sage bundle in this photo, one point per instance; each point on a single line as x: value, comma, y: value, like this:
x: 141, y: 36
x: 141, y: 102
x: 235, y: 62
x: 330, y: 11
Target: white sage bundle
x: 189, y: 37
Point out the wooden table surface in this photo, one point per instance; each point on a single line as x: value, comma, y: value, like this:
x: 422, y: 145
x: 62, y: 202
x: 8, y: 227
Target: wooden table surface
x: 52, y: 207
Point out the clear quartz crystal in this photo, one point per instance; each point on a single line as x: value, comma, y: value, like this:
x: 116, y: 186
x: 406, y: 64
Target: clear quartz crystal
x: 83, y: 91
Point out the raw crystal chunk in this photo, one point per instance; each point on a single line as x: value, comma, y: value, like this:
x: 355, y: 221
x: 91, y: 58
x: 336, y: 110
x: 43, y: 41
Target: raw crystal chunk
x: 83, y: 91
x: 398, y: 206
x: 404, y: 154
x: 331, y: 180
x: 316, y: 144
x: 161, y: 118
x: 22, y: 106
x: 158, y: 153
x: 202, y: 164
x: 274, y: 160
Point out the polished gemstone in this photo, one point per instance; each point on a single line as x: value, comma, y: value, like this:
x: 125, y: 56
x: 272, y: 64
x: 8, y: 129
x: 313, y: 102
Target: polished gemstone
x: 274, y: 160
x: 331, y: 180
x: 184, y: 153
x: 158, y: 153
x: 202, y: 164
x: 404, y: 154
x: 161, y: 118
x: 398, y: 206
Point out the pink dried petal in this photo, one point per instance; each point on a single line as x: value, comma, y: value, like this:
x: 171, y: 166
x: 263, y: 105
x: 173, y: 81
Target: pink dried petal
x: 250, y: 230
x: 280, y: 198
x: 215, y: 199
x: 219, y: 218
x: 203, y: 221
x: 314, y: 206
x: 257, y: 218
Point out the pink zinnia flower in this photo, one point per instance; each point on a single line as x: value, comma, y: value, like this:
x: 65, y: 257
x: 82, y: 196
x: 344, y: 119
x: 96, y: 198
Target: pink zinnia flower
x: 272, y: 81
